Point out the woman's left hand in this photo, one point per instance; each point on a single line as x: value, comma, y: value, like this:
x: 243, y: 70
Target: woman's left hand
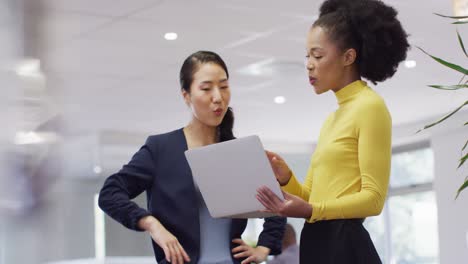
x: 292, y: 206
x: 252, y: 254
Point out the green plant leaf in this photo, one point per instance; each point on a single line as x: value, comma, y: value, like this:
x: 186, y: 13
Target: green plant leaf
x: 466, y: 124
x: 460, y: 22
x: 462, y: 160
x: 464, y: 185
x: 461, y: 43
x: 449, y: 87
x: 446, y: 63
x: 444, y: 118
x: 462, y: 78
x: 454, y: 17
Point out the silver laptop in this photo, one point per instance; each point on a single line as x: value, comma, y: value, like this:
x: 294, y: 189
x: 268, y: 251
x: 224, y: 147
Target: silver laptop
x: 229, y: 174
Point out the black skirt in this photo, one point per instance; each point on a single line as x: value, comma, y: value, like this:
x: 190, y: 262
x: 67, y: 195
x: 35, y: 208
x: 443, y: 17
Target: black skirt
x: 343, y: 241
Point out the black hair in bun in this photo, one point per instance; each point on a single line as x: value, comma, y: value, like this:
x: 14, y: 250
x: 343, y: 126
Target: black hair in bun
x: 372, y: 29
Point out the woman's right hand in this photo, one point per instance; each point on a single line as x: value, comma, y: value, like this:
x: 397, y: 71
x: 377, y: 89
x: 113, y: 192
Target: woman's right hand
x: 280, y: 168
x: 173, y: 250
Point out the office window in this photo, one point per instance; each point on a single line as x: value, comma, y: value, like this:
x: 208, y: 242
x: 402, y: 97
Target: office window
x: 406, y: 231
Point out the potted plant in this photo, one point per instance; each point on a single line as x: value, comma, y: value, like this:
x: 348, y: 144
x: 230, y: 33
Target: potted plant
x: 462, y: 84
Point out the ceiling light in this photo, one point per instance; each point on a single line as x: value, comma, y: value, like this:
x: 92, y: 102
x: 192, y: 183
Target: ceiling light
x: 29, y: 68
x: 97, y: 169
x: 170, y: 36
x: 24, y: 138
x: 410, y: 64
x: 32, y: 137
x: 280, y: 99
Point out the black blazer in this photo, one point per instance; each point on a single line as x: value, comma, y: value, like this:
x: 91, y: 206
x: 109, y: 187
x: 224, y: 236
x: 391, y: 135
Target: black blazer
x: 161, y: 169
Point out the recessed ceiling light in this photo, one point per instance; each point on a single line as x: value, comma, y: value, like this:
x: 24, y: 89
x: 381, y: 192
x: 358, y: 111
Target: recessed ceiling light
x: 97, y: 169
x: 28, y: 68
x: 170, y: 36
x: 25, y: 138
x: 280, y: 99
x: 410, y: 64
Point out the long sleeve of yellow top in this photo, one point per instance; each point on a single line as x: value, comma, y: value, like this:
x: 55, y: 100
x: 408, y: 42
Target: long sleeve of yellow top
x: 350, y: 168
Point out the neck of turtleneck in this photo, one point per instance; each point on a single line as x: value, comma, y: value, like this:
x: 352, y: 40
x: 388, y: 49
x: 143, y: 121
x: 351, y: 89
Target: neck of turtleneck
x: 349, y: 91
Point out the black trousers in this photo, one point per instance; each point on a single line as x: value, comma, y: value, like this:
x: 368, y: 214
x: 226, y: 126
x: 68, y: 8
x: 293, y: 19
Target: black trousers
x: 343, y: 241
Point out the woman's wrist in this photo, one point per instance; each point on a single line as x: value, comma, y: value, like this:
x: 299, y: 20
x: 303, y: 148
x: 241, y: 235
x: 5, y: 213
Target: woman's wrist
x: 264, y: 250
x: 287, y: 180
x: 308, y: 211
x: 149, y: 224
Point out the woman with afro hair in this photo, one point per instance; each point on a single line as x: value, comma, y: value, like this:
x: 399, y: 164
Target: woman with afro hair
x: 347, y: 180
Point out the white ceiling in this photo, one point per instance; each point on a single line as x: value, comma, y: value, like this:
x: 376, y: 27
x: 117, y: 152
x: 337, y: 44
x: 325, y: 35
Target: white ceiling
x: 112, y: 70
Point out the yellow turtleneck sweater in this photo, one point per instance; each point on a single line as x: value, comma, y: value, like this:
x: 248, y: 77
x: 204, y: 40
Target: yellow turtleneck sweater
x: 350, y: 168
